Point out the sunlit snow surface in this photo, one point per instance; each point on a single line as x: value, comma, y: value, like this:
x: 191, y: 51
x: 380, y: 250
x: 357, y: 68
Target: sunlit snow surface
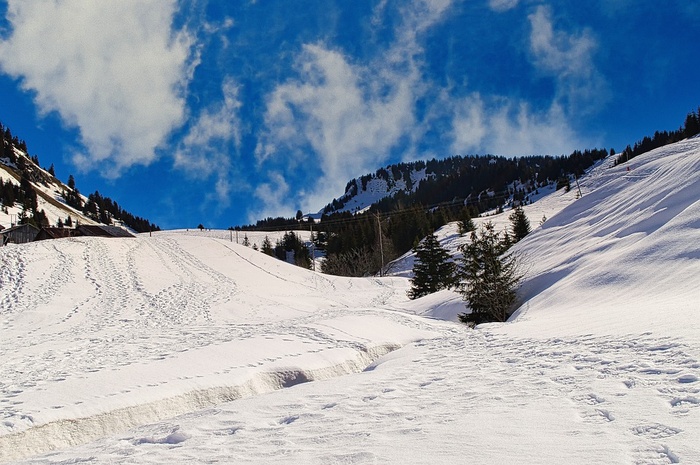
x: 172, y: 348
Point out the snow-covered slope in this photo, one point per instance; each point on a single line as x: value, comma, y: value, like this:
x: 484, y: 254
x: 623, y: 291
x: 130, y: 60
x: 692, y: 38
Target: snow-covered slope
x: 115, y: 333
x: 48, y: 196
x: 150, y: 350
x: 626, y: 256
x: 362, y: 194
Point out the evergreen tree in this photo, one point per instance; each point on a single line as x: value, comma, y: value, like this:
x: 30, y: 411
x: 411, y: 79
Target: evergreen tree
x: 520, y: 225
x: 692, y: 124
x: 292, y: 243
x: 39, y: 219
x: 490, y: 277
x: 246, y: 241
x: 466, y: 224
x: 433, y: 270
x: 267, y: 248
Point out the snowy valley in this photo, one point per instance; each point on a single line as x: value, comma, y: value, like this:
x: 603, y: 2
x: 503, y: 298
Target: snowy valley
x: 185, y: 347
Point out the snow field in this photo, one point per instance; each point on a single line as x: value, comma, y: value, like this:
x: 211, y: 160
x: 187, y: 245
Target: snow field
x: 157, y: 344
x: 100, y: 335
x: 463, y: 397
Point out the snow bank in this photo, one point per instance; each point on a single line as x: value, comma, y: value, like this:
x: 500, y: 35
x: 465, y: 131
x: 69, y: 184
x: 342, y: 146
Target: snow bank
x: 74, y: 430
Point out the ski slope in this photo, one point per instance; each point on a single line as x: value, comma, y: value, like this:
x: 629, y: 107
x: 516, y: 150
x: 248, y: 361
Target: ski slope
x: 175, y: 348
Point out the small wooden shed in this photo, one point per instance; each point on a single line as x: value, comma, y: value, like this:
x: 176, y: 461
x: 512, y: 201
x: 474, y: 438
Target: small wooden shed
x: 20, y: 234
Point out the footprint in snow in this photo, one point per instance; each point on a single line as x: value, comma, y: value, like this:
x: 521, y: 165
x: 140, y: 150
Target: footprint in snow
x: 687, y: 378
x: 655, y: 431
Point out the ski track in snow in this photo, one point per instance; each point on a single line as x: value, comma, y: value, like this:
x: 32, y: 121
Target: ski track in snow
x: 122, y: 316
x: 412, y: 412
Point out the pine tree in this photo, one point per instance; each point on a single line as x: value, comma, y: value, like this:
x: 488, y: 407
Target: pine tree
x: 466, y: 224
x: 692, y: 124
x: 490, y: 277
x: 519, y: 223
x: 433, y: 271
x: 267, y: 248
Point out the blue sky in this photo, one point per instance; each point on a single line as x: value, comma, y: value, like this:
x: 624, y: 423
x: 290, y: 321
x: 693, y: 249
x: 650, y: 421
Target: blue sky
x: 223, y: 112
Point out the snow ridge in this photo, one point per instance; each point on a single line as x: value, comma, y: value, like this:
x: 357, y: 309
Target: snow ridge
x: 61, y: 434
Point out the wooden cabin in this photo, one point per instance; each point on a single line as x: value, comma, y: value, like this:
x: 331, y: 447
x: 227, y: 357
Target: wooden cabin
x: 20, y: 234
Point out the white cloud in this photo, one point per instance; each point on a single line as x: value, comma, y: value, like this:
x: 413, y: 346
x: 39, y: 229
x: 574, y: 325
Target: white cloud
x: 503, y: 5
x: 207, y: 146
x: 468, y: 125
x: 215, y: 127
x: 569, y: 58
x: 347, y: 116
x: 508, y: 128
x: 344, y: 118
x: 274, y: 196
x: 114, y: 70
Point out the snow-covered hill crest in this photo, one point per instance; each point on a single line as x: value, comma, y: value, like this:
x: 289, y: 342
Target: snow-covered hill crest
x: 361, y: 193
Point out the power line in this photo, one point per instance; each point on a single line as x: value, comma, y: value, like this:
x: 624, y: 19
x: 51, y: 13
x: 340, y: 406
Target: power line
x: 464, y: 202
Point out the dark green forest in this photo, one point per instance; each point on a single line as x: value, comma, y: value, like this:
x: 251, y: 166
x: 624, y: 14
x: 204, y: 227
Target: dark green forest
x: 454, y: 189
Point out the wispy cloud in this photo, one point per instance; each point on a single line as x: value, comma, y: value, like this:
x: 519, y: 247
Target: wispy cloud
x: 336, y: 116
x: 211, y: 140
x: 274, y: 195
x: 503, y: 5
x: 568, y: 57
x: 344, y: 118
x: 116, y: 71
x: 504, y: 127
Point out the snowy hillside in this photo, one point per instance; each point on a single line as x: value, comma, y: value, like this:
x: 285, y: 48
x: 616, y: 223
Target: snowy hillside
x: 49, y: 196
x: 362, y: 193
x: 172, y: 348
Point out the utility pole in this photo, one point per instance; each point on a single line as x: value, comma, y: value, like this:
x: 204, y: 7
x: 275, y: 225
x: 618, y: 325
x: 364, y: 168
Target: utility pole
x: 578, y: 187
x: 381, y: 245
x: 313, y: 250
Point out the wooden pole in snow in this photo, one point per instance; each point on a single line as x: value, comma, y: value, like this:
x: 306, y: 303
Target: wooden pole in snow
x: 381, y: 246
